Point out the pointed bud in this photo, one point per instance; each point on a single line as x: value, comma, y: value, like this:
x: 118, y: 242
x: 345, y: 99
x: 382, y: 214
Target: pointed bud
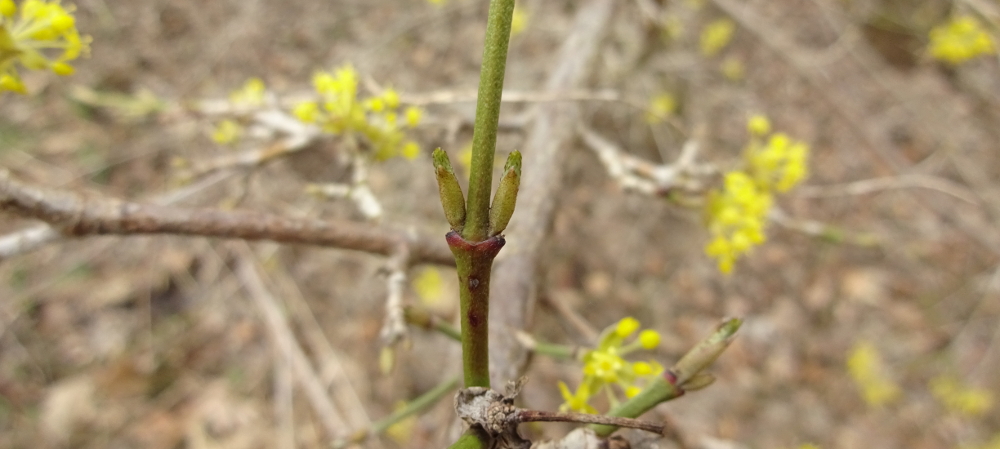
x: 702, y: 355
x: 506, y: 196
x: 452, y: 198
x: 699, y: 381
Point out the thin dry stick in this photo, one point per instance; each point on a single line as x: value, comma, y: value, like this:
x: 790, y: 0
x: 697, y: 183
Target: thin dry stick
x: 866, y: 186
x: 582, y: 418
x: 328, y: 359
x: 283, y: 337
x: 77, y: 216
x: 394, y: 326
x: 34, y: 237
x: 638, y: 175
x: 284, y: 413
x: 513, y: 288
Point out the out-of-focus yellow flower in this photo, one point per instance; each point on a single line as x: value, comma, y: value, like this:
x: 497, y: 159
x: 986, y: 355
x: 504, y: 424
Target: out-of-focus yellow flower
x: 960, y: 39
x: 42, y: 28
x: 606, y: 365
x: 866, y: 368
x: 737, y: 215
x: 661, y: 106
x: 736, y: 218
x: 759, y: 125
x: 251, y: 94
x: 779, y: 164
x: 716, y: 35
x: 410, y: 150
x: 402, y: 431
x: 519, y: 20
x: 413, y: 116
x: 576, y: 401
x: 376, y: 118
x: 429, y: 286
x: 961, y: 399
x: 227, y: 132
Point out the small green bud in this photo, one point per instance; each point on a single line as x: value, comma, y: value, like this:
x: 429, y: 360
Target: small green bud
x: 506, y: 196
x: 705, y: 353
x: 452, y: 198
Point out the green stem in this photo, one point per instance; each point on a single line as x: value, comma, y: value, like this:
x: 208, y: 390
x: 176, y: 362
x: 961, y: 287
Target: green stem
x: 660, y: 390
x: 473, y: 438
x: 484, y: 136
x: 474, y: 262
x: 418, y: 316
x: 415, y: 406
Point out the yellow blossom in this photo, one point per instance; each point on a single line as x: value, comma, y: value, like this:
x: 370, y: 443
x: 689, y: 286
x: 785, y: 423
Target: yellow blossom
x: 391, y: 98
x: 736, y: 217
x: 410, y: 150
x: 959, y: 398
x: 226, y: 132
x: 339, y: 110
x: 606, y: 365
x: 661, y: 106
x: 518, y: 21
x: 251, y: 94
x: 576, y: 402
x: 866, y: 368
x: 716, y: 35
x: 42, y: 37
x: 413, y: 115
x: 960, y: 39
x: 780, y: 164
x: 649, y: 339
x: 759, y: 125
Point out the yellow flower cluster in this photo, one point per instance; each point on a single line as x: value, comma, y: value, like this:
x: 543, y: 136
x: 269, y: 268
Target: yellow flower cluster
x: 251, y: 94
x: 865, y: 366
x: 736, y: 218
x: 959, y: 398
x: 40, y: 26
x: 661, y: 107
x: 606, y: 366
x: 736, y: 215
x: 716, y: 36
x: 377, y: 118
x: 960, y: 39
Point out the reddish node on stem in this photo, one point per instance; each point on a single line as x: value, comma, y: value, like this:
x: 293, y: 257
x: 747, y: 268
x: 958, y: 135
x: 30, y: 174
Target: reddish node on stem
x: 487, y: 249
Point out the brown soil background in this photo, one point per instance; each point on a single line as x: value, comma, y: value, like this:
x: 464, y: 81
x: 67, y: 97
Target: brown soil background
x: 152, y: 342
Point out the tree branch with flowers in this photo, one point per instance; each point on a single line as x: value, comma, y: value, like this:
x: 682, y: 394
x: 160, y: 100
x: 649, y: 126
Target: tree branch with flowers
x: 735, y: 199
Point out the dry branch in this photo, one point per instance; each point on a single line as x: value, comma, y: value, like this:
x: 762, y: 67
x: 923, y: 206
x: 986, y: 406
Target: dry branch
x: 77, y: 215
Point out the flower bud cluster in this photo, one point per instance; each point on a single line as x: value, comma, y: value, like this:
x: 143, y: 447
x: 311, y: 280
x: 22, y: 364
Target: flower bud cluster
x: 38, y: 35
x: 378, y: 118
x: 960, y: 39
x: 736, y: 215
x: 606, y: 366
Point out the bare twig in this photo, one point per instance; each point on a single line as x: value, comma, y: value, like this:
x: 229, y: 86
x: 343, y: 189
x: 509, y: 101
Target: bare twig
x: 77, y: 215
x: 285, y: 340
x: 34, y: 237
x: 394, y: 326
x: 638, y: 175
x: 582, y: 418
x: 866, y: 186
x: 296, y: 136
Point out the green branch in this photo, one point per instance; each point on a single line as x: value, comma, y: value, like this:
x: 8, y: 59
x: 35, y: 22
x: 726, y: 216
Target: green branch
x: 484, y: 136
